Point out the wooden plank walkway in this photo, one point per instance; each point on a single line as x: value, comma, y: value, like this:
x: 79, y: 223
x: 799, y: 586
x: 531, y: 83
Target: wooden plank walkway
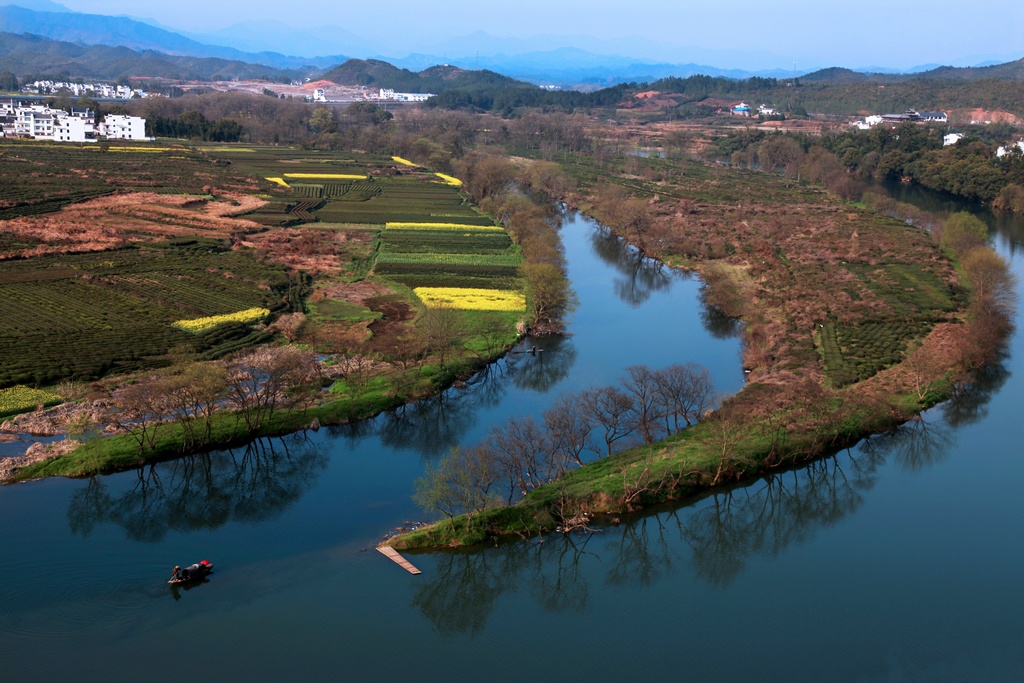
x: 395, y: 557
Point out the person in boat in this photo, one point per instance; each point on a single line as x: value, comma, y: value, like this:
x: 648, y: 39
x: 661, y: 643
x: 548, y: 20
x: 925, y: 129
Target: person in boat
x: 176, y: 574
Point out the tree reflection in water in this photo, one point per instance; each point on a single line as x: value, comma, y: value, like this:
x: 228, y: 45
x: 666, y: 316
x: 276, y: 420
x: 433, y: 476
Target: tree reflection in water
x: 434, y: 425
x: 469, y: 584
x: 640, y: 276
x: 543, y: 371
x: 969, y: 403
x: 722, y: 531
x: 915, y: 445
x: 203, y: 491
x: 716, y: 322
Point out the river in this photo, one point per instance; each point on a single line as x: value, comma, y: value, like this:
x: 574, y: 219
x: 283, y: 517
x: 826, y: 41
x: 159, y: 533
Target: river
x: 897, y: 560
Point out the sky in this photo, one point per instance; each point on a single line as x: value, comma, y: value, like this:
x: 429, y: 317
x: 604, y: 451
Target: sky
x: 732, y: 34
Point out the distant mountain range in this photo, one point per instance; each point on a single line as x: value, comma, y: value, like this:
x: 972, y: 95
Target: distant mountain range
x: 98, y: 29
x: 28, y: 55
x: 100, y: 46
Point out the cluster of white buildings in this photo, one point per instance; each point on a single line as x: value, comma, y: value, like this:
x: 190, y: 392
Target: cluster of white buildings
x: 909, y: 115
x: 392, y: 96
x: 383, y: 95
x: 104, y: 90
x: 40, y: 122
x: 744, y: 109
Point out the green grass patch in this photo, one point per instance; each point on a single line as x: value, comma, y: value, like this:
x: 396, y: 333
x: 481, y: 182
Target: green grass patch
x: 334, y: 309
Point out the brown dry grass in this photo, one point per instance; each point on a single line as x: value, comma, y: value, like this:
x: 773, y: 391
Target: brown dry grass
x: 315, y: 251
x: 112, y: 221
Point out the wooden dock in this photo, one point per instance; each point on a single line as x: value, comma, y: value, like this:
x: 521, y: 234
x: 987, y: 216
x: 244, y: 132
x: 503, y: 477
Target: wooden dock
x: 395, y: 557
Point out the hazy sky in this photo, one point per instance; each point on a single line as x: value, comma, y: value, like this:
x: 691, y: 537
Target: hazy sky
x: 822, y: 32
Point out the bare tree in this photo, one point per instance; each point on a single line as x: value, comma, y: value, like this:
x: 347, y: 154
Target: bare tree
x: 641, y: 385
x: 686, y: 391
x: 925, y: 367
x: 569, y: 428
x: 440, y: 331
x: 610, y: 410
x: 724, y: 437
x: 270, y: 378
x: 462, y: 482
x: 522, y: 451
x: 141, y: 409
x: 192, y: 398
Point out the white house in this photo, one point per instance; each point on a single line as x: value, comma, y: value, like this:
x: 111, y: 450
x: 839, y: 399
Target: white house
x: 934, y: 116
x: 36, y: 122
x: 951, y: 139
x: 74, y: 129
x: 1003, y: 151
x: 120, y: 127
x: 389, y: 94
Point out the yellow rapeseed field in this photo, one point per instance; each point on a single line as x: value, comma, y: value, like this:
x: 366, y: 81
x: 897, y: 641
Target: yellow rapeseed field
x: 403, y: 161
x: 20, y: 399
x: 279, y: 181
x: 249, y: 315
x: 442, y: 226
x: 455, y: 182
x: 472, y: 299
x: 326, y: 176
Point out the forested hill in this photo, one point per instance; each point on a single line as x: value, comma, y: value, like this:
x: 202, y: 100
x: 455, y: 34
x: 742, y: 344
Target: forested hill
x: 1010, y: 71
x: 34, y: 56
x: 836, y: 91
x: 380, y: 74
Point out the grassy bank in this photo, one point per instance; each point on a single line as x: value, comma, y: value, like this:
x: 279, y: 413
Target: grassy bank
x: 227, y: 430
x: 676, y: 469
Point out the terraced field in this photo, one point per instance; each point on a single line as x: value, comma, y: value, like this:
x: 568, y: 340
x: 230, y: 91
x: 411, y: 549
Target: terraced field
x: 94, y: 290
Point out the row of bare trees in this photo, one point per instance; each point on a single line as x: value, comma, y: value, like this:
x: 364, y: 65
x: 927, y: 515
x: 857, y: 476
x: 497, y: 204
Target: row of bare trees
x: 524, y: 453
x: 253, y: 386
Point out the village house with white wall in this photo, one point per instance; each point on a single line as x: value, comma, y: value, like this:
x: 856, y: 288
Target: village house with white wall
x: 40, y: 122
x: 104, y: 90
x: 909, y: 116
x: 390, y: 95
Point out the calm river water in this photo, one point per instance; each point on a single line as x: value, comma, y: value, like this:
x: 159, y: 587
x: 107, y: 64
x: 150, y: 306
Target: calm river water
x: 898, y: 560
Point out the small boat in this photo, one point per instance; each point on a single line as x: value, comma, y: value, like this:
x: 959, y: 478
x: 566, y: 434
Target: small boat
x: 193, y: 573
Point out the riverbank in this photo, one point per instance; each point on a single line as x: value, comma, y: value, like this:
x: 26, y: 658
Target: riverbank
x: 102, y: 455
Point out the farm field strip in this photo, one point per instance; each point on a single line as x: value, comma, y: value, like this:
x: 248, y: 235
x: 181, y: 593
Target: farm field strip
x: 458, y: 227
x: 326, y: 176
x: 442, y: 258
x: 195, y: 325
x: 472, y: 299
